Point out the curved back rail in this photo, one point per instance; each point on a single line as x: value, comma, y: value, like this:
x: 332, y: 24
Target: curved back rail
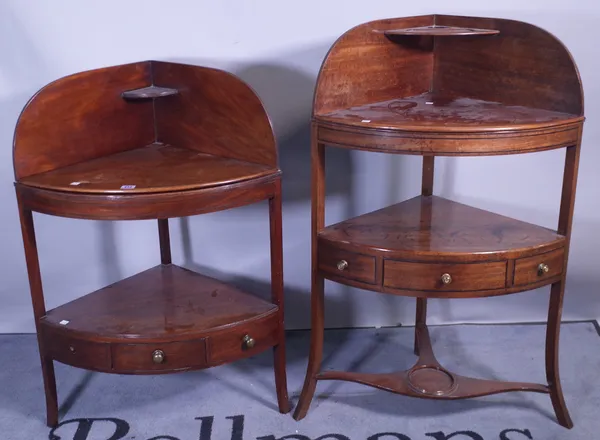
x: 86, y: 116
x: 521, y: 65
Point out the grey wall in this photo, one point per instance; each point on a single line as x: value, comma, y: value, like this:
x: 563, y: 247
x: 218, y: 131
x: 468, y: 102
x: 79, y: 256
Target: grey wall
x: 277, y: 47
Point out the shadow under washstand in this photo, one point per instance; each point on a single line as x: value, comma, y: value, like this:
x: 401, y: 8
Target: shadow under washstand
x: 75, y: 393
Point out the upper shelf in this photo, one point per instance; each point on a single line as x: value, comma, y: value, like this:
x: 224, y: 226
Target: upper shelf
x: 441, y: 31
x: 150, y: 92
x: 150, y: 169
x: 429, y: 111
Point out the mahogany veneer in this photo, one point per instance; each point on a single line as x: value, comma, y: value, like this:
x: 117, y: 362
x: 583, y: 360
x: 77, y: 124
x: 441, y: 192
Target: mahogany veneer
x: 150, y: 140
x: 454, y: 86
x: 447, y: 114
x: 135, y: 317
x: 432, y: 227
x: 151, y: 169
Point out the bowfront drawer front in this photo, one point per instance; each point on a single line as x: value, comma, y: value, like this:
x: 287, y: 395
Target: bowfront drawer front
x: 347, y: 264
x: 408, y: 275
x: 155, y: 357
x: 539, y: 267
x: 243, y: 340
x: 77, y: 352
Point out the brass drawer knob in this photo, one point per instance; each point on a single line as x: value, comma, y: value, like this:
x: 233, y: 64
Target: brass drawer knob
x: 248, y: 341
x: 158, y: 356
x: 543, y: 269
x: 342, y: 265
x: 446, y: 278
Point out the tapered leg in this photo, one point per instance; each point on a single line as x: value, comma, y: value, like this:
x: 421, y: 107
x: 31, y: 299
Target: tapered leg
x: 39, y: 310
x: 275, y: 221
x: 420, y: 320
x: 50, y: 390
x: 552, y: 341
x: 165, y: 241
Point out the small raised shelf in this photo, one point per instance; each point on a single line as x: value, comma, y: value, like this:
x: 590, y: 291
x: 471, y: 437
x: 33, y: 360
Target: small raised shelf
x: 441, y: 31
x: 150, y: 92
x: 150, y: 169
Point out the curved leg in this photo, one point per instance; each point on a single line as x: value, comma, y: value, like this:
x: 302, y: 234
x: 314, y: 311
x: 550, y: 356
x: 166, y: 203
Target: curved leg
x: 39, y: 310
x: 316, y: 347
x: 317, y: 302
x: 277, y: 293
x: 552, y: 340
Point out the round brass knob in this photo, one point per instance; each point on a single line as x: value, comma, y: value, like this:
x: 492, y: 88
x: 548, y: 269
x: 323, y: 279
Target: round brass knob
x: 158, y: 356
x: 446, y: 278
x: 342, y: 265
x: 249, y: 341
x: 543, y: 268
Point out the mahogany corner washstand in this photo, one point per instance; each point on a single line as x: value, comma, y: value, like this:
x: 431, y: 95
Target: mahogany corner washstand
x: 443, y: 86
x: 150, y: 140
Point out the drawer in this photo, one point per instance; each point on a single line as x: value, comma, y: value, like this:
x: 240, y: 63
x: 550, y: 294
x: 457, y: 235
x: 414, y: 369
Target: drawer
x: 347, y: 264
x: 431, y: 276
x: 243, y: 340
x: 539, y: 267
x: 77, y: 352
x: 159, y: 356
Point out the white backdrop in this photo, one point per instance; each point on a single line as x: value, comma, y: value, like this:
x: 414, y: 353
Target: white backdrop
x: 277, y: 47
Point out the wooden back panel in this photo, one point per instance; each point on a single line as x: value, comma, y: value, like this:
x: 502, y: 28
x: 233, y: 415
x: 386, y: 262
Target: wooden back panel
x: 82, y: 117
x: 523, y: 65
x: 215, y: 112
x: 364, y: 66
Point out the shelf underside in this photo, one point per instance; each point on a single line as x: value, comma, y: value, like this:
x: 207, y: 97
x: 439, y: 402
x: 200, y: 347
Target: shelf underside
x: 163, y: 302
x: 150, y: 92
x: 441, y: 31
x: 433, y: 225
x: 150, y: 169
x: 435, y: 112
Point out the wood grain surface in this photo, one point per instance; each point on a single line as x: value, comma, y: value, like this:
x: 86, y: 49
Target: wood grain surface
x: 83, y: 117
x: 431, y: 227
x: 155, y: 168
x: 177, y: 303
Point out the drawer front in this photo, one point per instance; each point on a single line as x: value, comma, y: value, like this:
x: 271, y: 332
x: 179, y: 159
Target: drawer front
x: 243, y: 340
x: 431, y: 276
x: 159, y: 356
x: 347, y: 264
x: 539, y: 267
x: 77, y: 352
